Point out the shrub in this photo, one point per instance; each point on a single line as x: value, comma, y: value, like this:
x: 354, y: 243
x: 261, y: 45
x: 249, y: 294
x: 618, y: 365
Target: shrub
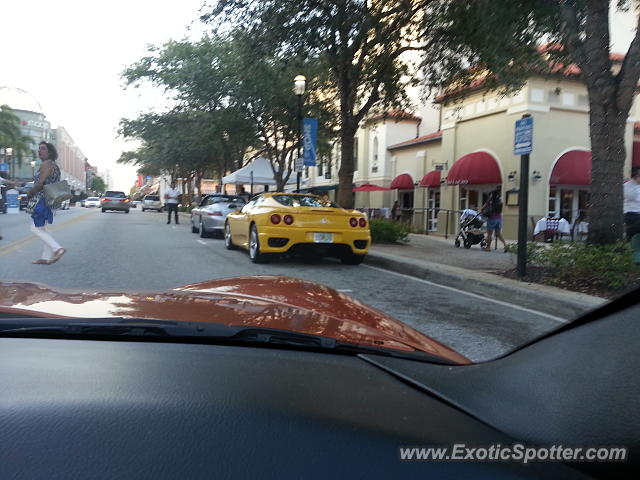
x: 608, y: 266
x: 385, y: 231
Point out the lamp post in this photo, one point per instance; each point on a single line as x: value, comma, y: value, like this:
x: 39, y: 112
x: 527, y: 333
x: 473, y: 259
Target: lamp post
x: 225, y: 137
x: 299, y: 84
x: 9, y: 153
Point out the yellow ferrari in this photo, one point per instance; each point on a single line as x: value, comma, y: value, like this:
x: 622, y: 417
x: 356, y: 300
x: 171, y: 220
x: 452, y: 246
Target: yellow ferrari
x: 297, y: 223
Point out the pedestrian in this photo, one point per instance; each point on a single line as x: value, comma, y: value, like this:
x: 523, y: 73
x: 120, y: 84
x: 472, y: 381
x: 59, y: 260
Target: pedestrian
x: 171, y: 202
x: 41, y: 213
x: 631, y: 190
x: 395, y: 211
x: 325, y: 200
x: 492, y: 210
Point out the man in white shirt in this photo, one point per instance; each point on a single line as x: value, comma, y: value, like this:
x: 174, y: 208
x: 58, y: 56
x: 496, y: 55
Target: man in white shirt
x: 171, y: 202
x: 632, y: 203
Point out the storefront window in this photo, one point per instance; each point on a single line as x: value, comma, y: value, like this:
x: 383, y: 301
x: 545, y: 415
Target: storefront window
x: 566, y: 204
x: 553, y: 202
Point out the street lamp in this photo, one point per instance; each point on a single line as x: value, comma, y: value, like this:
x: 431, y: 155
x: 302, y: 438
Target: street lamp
x: 299, y: 84
x: 8, y: 152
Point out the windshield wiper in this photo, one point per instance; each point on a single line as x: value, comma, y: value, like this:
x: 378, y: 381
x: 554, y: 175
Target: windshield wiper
x: 192, y: 332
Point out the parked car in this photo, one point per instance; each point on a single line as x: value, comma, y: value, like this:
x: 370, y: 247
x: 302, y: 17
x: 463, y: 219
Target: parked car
x: 184, y: 383
x: 298, y: 223
x: 91, y: 202
x: 114, y: 200
x: 23, y: 194
x: 151, y: 202
x: 209, y: 216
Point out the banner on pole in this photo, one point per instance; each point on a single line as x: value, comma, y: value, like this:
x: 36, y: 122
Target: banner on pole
x: 310, y: 141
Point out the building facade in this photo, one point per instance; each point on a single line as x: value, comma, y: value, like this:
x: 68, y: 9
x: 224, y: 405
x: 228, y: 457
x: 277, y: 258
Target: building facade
x: 435, y: 174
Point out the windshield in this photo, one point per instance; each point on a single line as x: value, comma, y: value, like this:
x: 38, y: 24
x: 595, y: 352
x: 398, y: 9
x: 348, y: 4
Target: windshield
x: 299, y: 200
x: 225, y: 199
x: 469, y: 175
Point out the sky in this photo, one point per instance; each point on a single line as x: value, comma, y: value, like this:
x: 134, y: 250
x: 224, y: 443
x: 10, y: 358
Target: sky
x: 69, y: 55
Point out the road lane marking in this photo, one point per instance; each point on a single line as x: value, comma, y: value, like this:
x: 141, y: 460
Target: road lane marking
x: 202, y: 242
x: 26, y: 241
x: 344, y: 290
x: 474, y: 295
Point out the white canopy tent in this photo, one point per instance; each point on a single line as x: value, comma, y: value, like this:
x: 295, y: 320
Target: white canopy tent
x: 262, y: 174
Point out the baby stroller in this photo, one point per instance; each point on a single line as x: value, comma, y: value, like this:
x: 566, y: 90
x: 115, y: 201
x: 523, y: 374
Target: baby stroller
x: 470, y: 232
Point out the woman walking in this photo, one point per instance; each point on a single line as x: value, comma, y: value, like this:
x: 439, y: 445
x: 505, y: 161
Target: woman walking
x: 41, y: 213
x: 493, y: 211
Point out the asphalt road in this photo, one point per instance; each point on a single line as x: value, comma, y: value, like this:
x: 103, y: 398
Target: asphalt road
x: 115, y: 251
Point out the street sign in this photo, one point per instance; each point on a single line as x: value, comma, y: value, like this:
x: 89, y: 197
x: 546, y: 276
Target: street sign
x: 299, y: 165
x: 523, y: 144
x: 310, y: 140
x: 4, y: 167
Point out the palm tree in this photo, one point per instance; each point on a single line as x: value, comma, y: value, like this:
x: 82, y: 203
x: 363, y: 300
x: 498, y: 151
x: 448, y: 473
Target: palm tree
x: 11, y: 136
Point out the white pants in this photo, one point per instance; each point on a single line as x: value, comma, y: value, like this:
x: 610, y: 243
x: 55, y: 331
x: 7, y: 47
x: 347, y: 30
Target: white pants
x: 50, y: 244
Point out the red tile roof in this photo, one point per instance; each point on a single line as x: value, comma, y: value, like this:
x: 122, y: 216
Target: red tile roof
x: 417, y: 141
x: 397, y: 115
x: 568, y: 71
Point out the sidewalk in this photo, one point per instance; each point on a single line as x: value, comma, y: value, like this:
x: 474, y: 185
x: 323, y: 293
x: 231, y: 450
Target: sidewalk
x: 436, y: 259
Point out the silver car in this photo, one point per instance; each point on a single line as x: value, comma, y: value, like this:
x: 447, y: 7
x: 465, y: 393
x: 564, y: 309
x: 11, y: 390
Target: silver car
x: 113, y: 200
x: 151, y: 202
x: 209, y: 216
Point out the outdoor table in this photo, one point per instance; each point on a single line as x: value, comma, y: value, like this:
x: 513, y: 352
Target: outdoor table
x: 562, y: 226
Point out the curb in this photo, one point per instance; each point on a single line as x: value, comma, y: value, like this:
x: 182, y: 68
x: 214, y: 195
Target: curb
x: 542, y: 298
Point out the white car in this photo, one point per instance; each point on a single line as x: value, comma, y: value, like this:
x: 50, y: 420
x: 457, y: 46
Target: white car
x: 151, y: 202
x: 92, y: 202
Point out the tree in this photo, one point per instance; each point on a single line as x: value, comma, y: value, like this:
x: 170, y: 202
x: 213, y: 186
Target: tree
x: 244, y: 91
x: 361, y: 42
x: 504, y: 38
x: 11, y: 136
x: 98, y: 185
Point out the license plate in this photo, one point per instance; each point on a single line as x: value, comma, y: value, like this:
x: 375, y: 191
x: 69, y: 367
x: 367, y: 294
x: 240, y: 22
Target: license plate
x: 323, y: 237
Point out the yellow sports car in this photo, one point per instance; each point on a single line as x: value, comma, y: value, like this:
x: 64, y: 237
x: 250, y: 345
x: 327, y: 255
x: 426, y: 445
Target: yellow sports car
x: 297, y: 223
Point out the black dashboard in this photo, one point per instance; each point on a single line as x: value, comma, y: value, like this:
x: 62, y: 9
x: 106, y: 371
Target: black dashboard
x: 99, y: 409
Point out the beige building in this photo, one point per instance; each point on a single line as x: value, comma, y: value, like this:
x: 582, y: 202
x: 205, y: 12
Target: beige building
x: 436, y: 174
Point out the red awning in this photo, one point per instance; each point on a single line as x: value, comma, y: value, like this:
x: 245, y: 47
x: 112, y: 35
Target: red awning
x: 478, y: 168
x: 572, y: 168
x: 635, y: 159
x: 431, y: 179
x: 367, y: 187
x: 402, y: 182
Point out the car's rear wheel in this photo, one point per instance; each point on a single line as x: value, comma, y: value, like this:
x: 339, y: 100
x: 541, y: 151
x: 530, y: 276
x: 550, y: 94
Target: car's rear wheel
x: 103, y: 210
x: 254, y: 246
x: 194, y: 229
x: 203, y: 232
x: 227, y: 237
x: 352, y: 259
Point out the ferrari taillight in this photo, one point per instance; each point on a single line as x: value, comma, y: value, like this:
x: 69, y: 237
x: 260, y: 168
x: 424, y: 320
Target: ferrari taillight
x: 288, y: 219
x: 362, y: 222
x: 276, y: 219
x: 353, y: 222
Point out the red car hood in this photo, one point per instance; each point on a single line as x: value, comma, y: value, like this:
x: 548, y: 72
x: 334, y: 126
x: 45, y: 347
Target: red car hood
x: 274, y: 302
